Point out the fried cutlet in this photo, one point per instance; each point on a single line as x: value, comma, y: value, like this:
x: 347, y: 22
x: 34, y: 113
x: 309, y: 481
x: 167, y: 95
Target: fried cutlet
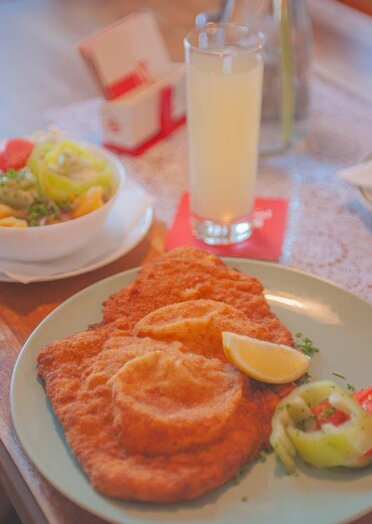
x: 150, y: 422
x: 198, y: 325
x: 148, y: 404
x: 190, y: 274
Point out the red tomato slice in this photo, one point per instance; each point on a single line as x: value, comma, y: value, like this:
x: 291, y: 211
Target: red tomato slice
x: 364, y: 397
x: 14, y: 153
x: 325, y: 413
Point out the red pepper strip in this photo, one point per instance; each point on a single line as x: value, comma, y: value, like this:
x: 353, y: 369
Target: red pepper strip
x: 14, y: 153
x: 364, y: 397
x: 325, y: 413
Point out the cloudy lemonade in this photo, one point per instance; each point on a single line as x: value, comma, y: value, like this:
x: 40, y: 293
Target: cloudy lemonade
x: 224, y: 90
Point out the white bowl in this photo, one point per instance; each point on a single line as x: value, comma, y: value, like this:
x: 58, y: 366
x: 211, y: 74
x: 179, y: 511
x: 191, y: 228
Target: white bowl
x: 34, y: 244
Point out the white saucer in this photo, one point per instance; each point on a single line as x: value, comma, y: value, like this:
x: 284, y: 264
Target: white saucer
x: 109, y: 244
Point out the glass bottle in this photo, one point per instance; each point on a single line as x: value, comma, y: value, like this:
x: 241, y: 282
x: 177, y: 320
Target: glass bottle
x: 287, y: 28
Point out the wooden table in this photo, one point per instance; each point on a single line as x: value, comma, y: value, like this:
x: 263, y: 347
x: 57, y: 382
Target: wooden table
x: 41, y: 70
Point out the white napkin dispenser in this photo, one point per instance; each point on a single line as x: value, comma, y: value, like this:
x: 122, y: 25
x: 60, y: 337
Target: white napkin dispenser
x: 145, y: 91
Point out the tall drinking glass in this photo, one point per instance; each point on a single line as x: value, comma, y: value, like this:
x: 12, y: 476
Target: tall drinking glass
x: 224, y: 84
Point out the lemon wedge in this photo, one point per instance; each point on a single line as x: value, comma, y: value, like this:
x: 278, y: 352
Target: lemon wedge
x: 264, y: 361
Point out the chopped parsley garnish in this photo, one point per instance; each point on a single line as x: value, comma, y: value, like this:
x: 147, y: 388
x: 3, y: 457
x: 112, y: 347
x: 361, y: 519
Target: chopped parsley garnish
x: 305, y: 379
x: 338, y: 375
x: 327, y: 413
x: 65, y: 205
x: 350, y: 387
x: 301, y: 424
x: 39, y: 210
x: 240, y: 473
x: 262, y: 456
x: 306, y: 423
x: 13, y: 174
x: 306, y: 345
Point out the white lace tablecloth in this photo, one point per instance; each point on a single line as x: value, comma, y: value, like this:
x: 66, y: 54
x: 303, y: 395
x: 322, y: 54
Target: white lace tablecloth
x: 329, y: 232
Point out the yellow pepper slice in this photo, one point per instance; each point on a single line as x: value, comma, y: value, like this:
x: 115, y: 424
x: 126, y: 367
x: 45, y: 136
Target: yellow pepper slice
x: 37, y: 156
x: 68, y: 170
x: 294, y: 429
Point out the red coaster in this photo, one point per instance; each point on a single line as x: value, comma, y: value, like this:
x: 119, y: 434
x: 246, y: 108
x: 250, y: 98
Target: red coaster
x: 269, y: 217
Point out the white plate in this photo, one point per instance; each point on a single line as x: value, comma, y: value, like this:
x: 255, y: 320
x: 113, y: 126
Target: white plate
x: 338, y: 322
x: 122, y: 245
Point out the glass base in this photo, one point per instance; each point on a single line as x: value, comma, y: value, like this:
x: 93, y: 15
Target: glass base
x: 219, y: 233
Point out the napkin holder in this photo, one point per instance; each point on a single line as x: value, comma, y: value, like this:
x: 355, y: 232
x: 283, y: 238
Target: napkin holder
x: 145, y: 92
x: 134, y: 122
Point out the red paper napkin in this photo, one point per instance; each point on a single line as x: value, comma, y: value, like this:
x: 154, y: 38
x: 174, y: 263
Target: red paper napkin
x: 270, y: 219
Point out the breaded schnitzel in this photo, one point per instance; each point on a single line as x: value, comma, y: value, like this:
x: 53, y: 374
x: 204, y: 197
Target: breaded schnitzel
x: 198, y: 324
x: 147, y: 400
x: 149, y: 422
x: 189, y: 274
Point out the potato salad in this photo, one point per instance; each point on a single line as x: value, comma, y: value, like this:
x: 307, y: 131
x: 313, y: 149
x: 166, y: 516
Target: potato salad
x: 48, y: 180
